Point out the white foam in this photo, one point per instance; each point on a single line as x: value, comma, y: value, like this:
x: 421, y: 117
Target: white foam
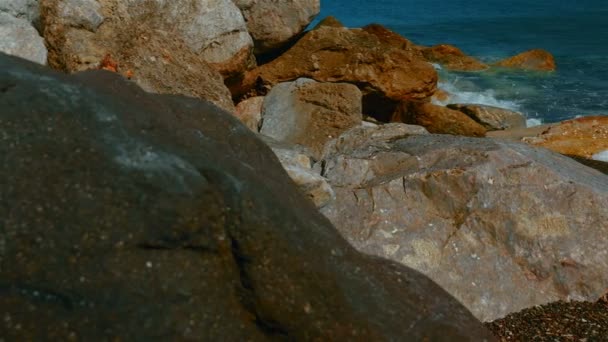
x: 486, y: 97
x: 533, y: 122
x: 601, y: 156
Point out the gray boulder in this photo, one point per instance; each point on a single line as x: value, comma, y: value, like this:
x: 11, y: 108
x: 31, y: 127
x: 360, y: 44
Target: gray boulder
x: 22, y: 9
x: 273, y: 23
x: 310, y: 113
x: 501, y: 226
x: 20, y: 38
x: 133, y: 216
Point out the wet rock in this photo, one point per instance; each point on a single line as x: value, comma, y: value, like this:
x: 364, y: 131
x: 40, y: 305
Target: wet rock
x: 136, y: 40
x: 20, y: 38
x: 331, y: 54
x: 249, y: 111
x: 437, y: 119
x: 310, y: 113
x: 501, y: 226
x: 133, y: 216
x: 274, y: 23
x: 22, y: 9
x: 452, y: 58
x: 539, y: 60
x: 582, y: 137
x: 492, y: 118
x: 215, y: 31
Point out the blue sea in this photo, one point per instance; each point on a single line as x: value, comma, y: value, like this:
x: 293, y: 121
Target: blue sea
x: 575, y: 32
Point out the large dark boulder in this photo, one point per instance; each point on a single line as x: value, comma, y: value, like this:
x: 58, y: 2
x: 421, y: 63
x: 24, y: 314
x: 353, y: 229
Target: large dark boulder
x: 130, y: 216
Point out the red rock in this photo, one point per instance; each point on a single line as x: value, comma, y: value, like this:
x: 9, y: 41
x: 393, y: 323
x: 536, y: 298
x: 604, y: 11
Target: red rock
x: 437, y: 119
x: 537, y: 59
x: 452, y: 58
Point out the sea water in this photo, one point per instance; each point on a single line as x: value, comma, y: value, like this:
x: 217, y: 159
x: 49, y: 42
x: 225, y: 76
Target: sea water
x: 575, y: 32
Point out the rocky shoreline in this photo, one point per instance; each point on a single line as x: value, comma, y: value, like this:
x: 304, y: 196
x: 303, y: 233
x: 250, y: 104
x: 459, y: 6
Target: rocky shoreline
x: 296, y: 184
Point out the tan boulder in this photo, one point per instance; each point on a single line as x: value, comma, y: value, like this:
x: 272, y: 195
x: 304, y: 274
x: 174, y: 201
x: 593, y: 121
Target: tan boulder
x: 334, y: 54
x: 249, y: 111
x: 310, y: 113
x: 536, y: 59
x: 452, y: 58
x: 141, y: 42
x: 393, y: 39
x: 582, y: 137
x: 437, y: 119
x: 492, y: 118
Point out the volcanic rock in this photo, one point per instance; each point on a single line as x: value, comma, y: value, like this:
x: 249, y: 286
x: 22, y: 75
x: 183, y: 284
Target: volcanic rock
x: 310, y: 113
x: 492, y: 118
x: 437, y: 119
x: 133, y: 216
x: 452, y: 58
x: 273, y: 23
x: 502, y: 226
x: 537, y: 59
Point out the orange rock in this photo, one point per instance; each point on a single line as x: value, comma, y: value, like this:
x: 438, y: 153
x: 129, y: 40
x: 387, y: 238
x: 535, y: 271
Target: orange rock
x: 537, y: 59
x: 333, y: 54
x: 437, y: 119
x: 582, y: 137
x: 452, y: 58
x: 393, y: 39
x: 107, y: 63
x: 441, y: 96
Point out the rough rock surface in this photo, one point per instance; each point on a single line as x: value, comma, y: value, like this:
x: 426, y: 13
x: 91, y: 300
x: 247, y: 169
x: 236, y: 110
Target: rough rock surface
x: 22, y: 9
x: 537, y: 59
x: 273, y: 23
x: 249, y: 111
x: 437, y: 119
x: 502, y: 226
x: 452, y: 58
x: 131, y: 216
x: 134, y: 38
x: 492, y: 118
x: 335, y: 54
x: 20, y: 38
x: 582, y: 137
x: 393, y: 39
x: 310, y: 113
x: 214, y: 30
x: 296, y: 160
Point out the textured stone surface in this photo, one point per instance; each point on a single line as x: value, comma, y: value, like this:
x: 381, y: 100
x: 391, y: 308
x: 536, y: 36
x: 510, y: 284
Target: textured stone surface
x: 20, y: 38
x: 310, y: 113
x: 437, y: 119
x: 492, y: 118
x: 452, y: 58
x: 582, y: 137
x: 131, y: 216
x: 297, y: 162
x: 214, y: 30
x: 273, y: 23
x: 332, y: 54
x: 135, y: 36
x: 501, y: 226
x: 537, y: 59
x: 249, y: 111
x: 23, y: 9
